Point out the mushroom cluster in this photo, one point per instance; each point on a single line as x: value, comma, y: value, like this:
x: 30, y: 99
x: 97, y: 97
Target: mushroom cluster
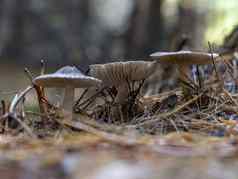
x: 119, y: 74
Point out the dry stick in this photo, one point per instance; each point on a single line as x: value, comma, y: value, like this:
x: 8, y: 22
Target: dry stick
x: 134, y: 95
x: 29, y: 74
x: 188, y: 83
x: 3, y: 107
x: 230, y: 69
x: 107, y: 136
x: 3, y: 115
x: 167, y: 114
x: 22, y: 110
x: 40, y: 93
x: 42, y: 72
x: 27, y: 128
x: 109, y: 127
x: 231, y: 98
x: 128, y: 85
x: 18, y: 98
x: 174, y: 125
x: 210, y: 113
x: 12, y: 110
x: 183, y: 124
x: 214, y: 65
x: 81, y: 97
x: 108, y: 90
x: 230, y: 108
x: 199, y: 77
x: 234, y: 69
x: 43, y: 97
x: 90, y: 100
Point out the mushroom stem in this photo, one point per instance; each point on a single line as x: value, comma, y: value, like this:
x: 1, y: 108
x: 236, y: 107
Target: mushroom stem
x: 183, y: 72
x: 122, y: 93
x: 68, y: 102
x: 184, y: 77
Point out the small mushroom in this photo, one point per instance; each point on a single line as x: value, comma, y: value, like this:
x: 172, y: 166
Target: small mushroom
x: 68, y: 77
x: 119, y: 73
x: 183, y: 59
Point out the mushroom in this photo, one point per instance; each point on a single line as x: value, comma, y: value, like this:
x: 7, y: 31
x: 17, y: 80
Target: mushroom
x: 119, y: 73
x: 68, y: 77
x: 183, y: 59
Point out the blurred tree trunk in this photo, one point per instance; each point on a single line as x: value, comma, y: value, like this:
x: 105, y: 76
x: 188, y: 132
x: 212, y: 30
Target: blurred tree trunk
x: 146, y: 30
x: 77, y: 17
x: 7, y: 11
x: 14, y: 16
x: 191, y: 23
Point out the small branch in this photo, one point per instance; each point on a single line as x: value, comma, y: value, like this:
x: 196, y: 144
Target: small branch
x: 18, y: 98
x: 213, y: 61
x: 3, y: 107
x: 12, y: 110
x: 26, y: 128
x: 42, y: 62
x: 167, y: 114
x: 105, y: 135
x: 28, y: 74
x: 39, y: 90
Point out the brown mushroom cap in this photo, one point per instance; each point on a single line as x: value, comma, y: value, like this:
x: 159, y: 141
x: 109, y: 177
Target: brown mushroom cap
x: 119, y: 72
x: 184, y: 57
x: 66, y: 76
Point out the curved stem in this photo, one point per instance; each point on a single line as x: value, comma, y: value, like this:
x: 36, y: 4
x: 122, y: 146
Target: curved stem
x: 18, y: 98
x: 68, y: 102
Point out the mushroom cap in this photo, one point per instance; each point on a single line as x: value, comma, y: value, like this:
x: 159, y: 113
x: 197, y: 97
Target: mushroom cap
x: 184, y: 57
x: 116, y: 73
x: 66, y: 76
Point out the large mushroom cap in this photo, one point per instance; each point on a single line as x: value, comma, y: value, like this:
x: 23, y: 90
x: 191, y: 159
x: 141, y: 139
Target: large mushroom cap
x: 66, y: 76
x: 119, y: 72
x: 184, y: 57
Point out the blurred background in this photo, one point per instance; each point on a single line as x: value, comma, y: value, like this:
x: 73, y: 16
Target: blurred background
x: 82, y: 32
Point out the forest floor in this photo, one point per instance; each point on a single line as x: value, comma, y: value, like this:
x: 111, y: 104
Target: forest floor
x: 189, y: 132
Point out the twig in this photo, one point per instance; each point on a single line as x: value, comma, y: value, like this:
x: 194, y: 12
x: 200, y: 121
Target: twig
x: 214, y: 64
x: 231, y: 98
x: 18, y: 98
x: 174, y: 124
x: 28, y: 74
x: 88, y: 101
x: 12, y: 110
x: 81, y: 97
x: 27, y: 129
x: 167, y: 114
x: 42, y: 72
x: 40, y: 92
x: 3, y: 107
x: 199, y: 77
x: 107, y: 136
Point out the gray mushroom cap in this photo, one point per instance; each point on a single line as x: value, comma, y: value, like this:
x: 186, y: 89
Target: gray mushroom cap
x: 184, y: 57
x: 116, y: 73
x: 66, y: 76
